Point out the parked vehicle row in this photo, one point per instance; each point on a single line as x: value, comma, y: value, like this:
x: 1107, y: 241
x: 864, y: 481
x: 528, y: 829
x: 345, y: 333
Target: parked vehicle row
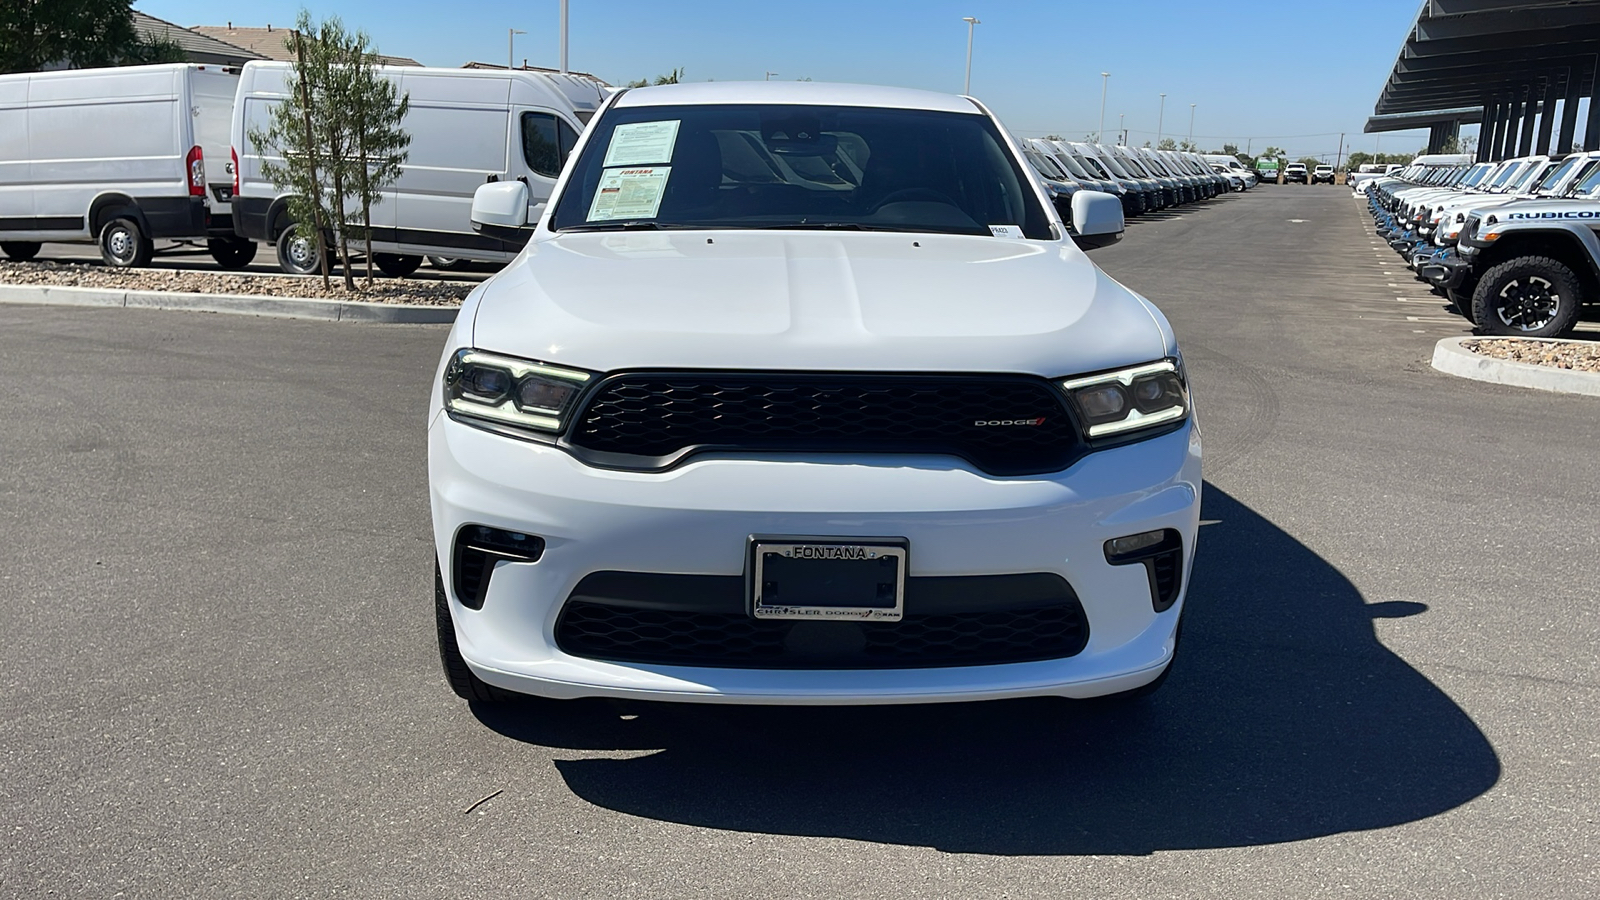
x: 1512, y: 243
x: 185, y: 167
x: 1144, y: 179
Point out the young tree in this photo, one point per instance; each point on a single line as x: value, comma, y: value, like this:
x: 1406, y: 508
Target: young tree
x: 292, y: 131
x: 377, y: 112
x: 1274, y: 153
x: 1167, y: 144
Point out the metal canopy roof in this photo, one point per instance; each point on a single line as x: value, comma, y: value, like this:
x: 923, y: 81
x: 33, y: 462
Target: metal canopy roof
x: 1462, y: 52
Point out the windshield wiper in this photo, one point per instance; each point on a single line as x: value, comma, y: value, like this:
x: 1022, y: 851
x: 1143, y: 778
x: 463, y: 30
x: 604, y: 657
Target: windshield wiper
x: 630, y: 225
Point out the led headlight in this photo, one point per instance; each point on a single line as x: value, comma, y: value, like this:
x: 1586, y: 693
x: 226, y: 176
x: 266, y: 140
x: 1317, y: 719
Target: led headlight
x: 507, y: 391
x: 1129, y: 400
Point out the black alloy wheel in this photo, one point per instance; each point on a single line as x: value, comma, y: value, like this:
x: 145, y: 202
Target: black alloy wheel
x: 1534, y: 296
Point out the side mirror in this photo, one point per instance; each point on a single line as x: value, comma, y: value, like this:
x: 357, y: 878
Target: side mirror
x: 1097, y: 219
x: 500, y: 210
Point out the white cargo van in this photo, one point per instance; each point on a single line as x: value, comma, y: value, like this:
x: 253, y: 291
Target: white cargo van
x: 467, y: 127
x: 119, y: 157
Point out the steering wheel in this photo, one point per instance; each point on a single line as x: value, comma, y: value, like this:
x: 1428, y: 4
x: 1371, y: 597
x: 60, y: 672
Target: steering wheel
x: 916, y: 193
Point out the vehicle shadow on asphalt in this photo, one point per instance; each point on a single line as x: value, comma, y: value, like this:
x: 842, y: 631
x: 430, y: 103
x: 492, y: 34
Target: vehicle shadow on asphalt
x: 1284, y: 719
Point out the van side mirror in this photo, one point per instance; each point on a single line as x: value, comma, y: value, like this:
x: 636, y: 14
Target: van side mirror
x: 500, y: 210
x: 1097, y: 219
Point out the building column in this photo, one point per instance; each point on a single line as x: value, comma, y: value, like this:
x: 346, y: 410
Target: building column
x: 1591, y: 130
x: 1508, y: 139
x: 1569, y: 108
x: 1547, y: 116
x: 1530, y: 112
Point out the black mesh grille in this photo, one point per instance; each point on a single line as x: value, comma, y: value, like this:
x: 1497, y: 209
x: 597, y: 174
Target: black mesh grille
x: 651, y: 621
x: 652, y: 421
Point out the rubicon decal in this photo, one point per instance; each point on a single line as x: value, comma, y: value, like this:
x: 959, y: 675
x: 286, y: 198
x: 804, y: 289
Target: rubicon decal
x: 1576, y: 214
x: 989, y: 423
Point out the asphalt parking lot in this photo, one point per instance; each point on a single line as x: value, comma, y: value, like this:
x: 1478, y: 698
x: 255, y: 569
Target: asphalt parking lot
x: 221, y: 681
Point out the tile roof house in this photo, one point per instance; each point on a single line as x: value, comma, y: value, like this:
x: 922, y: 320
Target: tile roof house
x: 272, y: 43
x: 199, y: 48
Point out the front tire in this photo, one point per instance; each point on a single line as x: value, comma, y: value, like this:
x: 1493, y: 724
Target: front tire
x: 395, y: 265
x: 232, y: 253
x: 466, y: 685
x: 297, y: 252
x: 124, y: 246
x: 20, y: 251
x: 1534, y: 296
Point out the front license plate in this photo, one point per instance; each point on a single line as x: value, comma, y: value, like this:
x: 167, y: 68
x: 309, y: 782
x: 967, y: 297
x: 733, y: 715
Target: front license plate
x: 823, y: 578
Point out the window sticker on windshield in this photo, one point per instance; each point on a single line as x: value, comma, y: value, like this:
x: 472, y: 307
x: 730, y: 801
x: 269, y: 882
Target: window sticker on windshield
x: 1014, y: 232
x: 629, y: 193
x: 642, y: 143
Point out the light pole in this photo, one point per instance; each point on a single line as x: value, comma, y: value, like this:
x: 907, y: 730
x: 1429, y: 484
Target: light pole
x: 967, y: 86
x: 1160, y: 118
x: 769, y: 76
x: 511, y: 39
x: 1191, y: 124
x: 1122, y: 130
x: 1105, y: 79
x: 563, y: 37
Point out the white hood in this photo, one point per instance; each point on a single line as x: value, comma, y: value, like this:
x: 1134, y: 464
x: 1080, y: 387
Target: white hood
x: 799, y: 301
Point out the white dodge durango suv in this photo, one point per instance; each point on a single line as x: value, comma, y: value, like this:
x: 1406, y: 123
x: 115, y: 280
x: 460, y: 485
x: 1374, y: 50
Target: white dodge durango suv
x: 805, y: 393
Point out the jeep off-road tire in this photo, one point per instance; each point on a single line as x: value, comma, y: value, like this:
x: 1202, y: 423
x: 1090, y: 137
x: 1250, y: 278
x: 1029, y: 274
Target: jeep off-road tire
x: 20, y: 251
x: 1531, y: 296
x: 466, y: 685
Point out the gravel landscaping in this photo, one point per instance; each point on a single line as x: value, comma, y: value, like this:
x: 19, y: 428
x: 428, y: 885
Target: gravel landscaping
x: 1578, y: 356
x: 384, y: 290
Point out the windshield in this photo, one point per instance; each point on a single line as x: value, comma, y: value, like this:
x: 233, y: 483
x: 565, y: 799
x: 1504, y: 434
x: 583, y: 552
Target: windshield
x: 1046, y: 166
x: 1505, y: 177
x: 1532, y: 177
x: 1114, y: 165
x: 1094, y: 165
x: 1549, y: 182
x: 782, y: 166
x: 1589, y: 182
x: 1072, y: 165
x: 1476, y: 175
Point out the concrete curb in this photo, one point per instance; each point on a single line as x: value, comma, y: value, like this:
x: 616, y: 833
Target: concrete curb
x: 1453, y: 359
x: 235, y: 304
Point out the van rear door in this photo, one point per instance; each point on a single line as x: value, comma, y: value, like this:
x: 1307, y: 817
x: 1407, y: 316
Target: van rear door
x: 211, y: 94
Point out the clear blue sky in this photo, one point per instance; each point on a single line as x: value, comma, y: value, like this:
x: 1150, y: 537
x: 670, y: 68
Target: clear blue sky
x: 1290, y: 74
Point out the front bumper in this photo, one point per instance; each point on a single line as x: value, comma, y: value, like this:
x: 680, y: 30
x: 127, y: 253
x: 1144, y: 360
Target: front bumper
x: 696, y: 520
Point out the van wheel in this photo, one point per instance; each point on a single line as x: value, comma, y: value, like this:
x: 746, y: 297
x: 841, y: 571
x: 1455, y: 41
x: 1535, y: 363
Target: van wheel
x: 1534, y: 296
x: 124, y: 246
x: 466, y: 685
x: 446, y: 262
x: 232, y: 253
x: 21, y: 251
x: 395, y: 265
x: 297, y: 252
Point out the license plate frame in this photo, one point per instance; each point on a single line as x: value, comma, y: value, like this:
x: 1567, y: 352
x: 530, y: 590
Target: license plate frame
x: 829, y: 578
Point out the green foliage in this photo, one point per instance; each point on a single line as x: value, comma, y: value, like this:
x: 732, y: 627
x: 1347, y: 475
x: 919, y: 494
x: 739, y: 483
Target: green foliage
x: 1310, y: 162
x: 1229, y: 150
x: 339, y: 134
x: 673, y: 77
x: 80, y: 34
x: 1054, y: 137
x: 1167, y: 144
x: 1274, y: 153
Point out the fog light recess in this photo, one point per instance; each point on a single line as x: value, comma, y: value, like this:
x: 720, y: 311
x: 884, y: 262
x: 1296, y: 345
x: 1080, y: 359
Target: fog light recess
x: 477, y: 549
x: 1161, y: 553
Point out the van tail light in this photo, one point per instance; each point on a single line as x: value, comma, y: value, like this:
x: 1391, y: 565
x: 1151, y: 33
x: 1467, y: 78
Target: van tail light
x: 235, y: 154
x: 195, y: 164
